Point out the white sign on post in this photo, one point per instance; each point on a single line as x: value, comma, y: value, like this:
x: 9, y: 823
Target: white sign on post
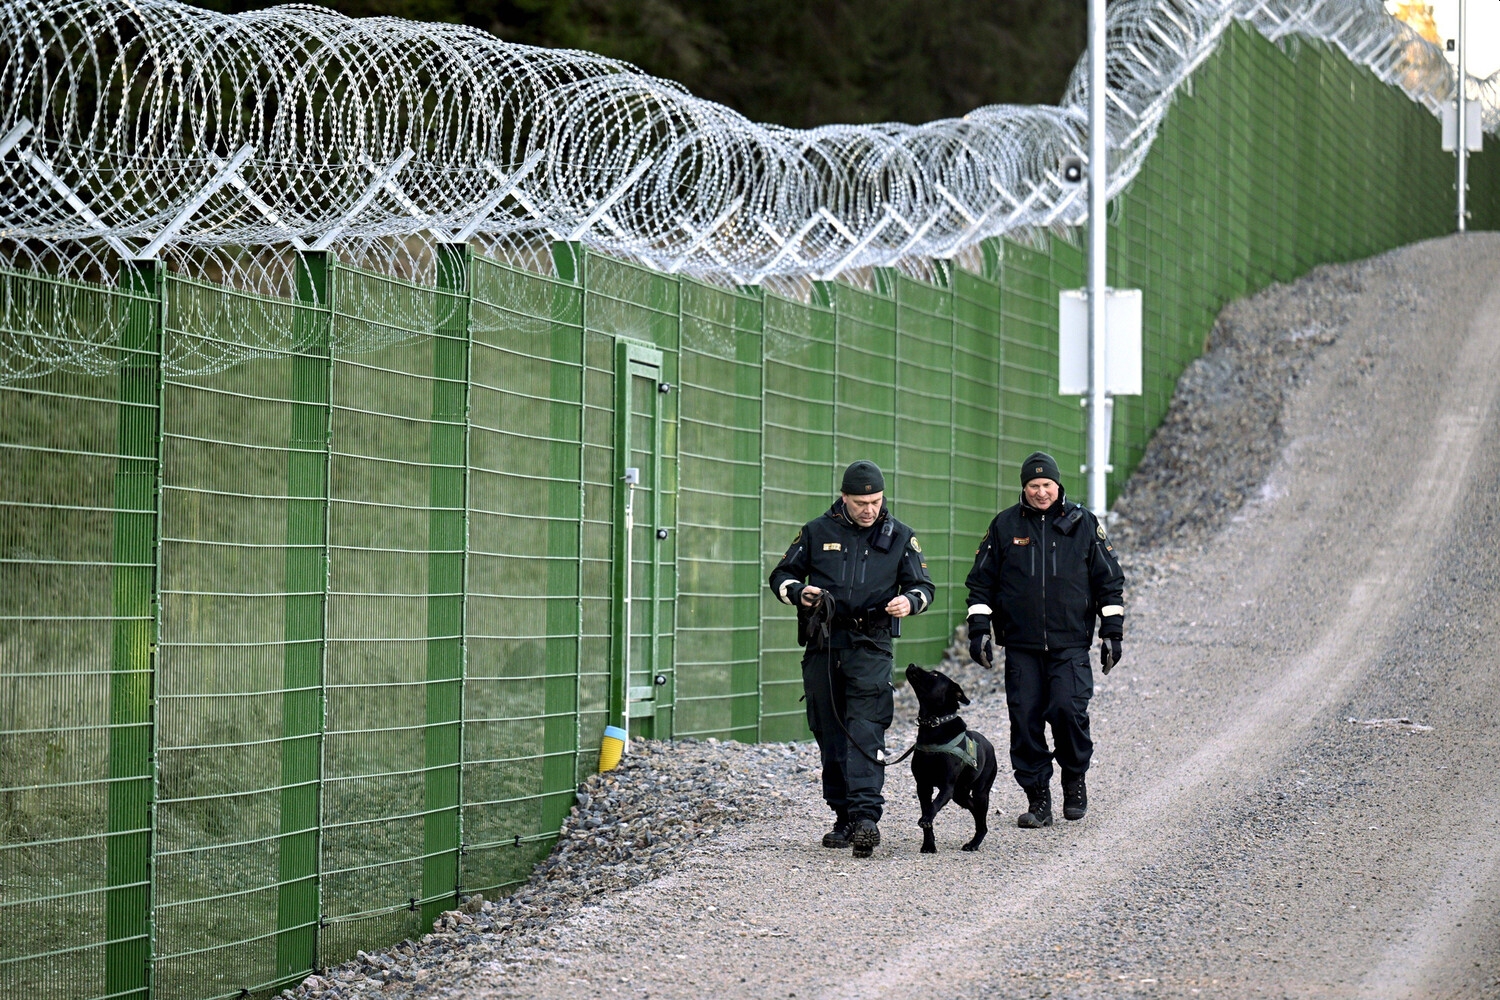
x: 1122, y: 361
x: 1475, y: 136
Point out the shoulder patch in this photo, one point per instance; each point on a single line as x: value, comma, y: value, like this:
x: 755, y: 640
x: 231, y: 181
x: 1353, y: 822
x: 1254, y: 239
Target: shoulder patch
x: 1100, y: 530
x: 798, y: 537
x: 914, y: 544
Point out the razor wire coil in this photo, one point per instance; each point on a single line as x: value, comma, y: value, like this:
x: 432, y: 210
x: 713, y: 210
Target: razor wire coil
x: 225, y: 143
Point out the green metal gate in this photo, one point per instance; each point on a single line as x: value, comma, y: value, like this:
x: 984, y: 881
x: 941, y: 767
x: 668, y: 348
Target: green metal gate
x: 641, y: 693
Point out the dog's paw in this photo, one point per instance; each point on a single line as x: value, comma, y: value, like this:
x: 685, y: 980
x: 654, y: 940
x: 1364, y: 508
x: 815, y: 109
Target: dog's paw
x: 929, y: 848
x: 970, y: 847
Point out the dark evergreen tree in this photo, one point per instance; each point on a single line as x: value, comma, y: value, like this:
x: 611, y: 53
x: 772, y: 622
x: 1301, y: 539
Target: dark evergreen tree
x: 798, y: 62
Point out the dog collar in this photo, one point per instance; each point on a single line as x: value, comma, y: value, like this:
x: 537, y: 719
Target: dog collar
x: 938, y: 721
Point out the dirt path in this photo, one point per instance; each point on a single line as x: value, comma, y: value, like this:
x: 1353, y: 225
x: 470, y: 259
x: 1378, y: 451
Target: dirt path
x: 1244, y: 838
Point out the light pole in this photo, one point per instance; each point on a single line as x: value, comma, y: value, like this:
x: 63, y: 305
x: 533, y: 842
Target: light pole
x: 1098, y: 449
x: 1463, y: 119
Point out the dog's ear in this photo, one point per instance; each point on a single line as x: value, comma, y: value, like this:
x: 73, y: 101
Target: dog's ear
x: 963, y: 699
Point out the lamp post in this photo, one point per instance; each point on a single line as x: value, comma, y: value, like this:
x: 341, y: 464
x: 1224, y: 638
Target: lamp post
x: 1463, y: 118
x: 1098, y: 448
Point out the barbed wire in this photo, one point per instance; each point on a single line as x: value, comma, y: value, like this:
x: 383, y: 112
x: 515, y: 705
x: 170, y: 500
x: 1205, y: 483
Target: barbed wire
x: 224, y: 144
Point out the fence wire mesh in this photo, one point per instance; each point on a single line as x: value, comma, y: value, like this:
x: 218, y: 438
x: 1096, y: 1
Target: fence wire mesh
x: 305, y: 632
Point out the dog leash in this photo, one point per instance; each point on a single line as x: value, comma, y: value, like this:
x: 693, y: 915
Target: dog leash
x: 819, y: 627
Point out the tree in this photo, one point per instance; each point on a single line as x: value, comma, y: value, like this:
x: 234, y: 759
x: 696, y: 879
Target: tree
x: 798, y: 62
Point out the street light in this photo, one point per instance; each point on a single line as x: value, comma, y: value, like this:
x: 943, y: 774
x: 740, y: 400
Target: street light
x: 1463, y: 119
x: 1463, y: 131
x: 1111, y: 364
x: 1098, y: 456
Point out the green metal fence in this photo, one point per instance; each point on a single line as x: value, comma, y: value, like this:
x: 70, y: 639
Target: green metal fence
x: 297, y: 651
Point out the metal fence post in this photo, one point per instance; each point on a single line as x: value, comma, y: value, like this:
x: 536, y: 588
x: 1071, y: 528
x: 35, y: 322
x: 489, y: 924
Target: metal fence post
x: 299, y: 897
x: 129, y: 844
x: 823, y: 294
x: 447, y: 543
x: 750, y: 317
x: 564, y: 620
x: 567, y: 307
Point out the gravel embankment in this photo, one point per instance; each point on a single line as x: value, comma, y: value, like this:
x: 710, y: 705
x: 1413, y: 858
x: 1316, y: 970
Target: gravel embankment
x: 1224, y: 429
x: 629, y: 826
x: 1309, y: 540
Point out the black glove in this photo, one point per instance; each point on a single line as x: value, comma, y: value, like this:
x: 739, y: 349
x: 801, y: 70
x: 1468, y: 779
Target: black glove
x: 981, y: 646
x: 1109, y: 654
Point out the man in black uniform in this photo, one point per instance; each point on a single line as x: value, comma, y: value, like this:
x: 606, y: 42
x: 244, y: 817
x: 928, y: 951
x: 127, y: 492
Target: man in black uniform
x: 1043, y: 571
x: 872, y: 566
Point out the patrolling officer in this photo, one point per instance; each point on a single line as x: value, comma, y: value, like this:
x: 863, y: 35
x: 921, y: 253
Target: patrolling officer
x: 1043, y: 571
x: 872, y: 566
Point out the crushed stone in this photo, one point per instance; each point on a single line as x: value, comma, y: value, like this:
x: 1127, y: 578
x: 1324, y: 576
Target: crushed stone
x: 1223, y: 430
x: 628, y: 826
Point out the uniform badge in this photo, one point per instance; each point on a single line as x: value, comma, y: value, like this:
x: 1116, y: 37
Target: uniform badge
x: 1100, y: 529
x: 1020, y: 541
x: 914, y: 544
x: 832, y: 547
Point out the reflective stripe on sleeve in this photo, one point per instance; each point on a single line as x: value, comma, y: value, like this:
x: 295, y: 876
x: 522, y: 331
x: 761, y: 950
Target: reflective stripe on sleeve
x: 1112, y: 609
x: 781, y: 591
x: 984, y: 609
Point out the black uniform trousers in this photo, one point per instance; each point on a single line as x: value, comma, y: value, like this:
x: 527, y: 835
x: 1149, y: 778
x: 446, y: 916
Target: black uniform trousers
x: 865, y: 700
x: 1042, y: 688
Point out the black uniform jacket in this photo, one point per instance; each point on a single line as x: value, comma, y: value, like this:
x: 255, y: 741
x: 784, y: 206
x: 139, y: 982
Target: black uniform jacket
x: 1044, y: 576
x: 863, y: 568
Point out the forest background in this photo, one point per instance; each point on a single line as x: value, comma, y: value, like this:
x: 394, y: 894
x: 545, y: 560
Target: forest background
x: 798, y: 63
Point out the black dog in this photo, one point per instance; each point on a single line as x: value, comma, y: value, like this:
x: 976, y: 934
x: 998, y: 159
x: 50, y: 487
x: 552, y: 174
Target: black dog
x: 950, y: 757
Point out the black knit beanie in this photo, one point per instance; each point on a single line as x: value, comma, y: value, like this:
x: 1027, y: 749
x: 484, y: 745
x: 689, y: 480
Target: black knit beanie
x: 1040, y: 465
x: 863, y: 478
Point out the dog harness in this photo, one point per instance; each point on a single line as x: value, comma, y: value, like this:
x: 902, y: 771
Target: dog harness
x: 961, y: 746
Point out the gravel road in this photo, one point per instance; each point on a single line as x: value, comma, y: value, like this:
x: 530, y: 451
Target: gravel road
x: 1313, y: 558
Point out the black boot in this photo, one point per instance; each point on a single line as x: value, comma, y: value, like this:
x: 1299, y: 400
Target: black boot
x: 1075, y: 798
x: 1038, y: 810
x: 866, y: 837
x: 839, y: 836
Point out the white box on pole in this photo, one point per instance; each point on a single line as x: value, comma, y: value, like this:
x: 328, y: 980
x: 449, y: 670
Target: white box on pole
x: 1122, y: 361
x: 1475, y: 136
